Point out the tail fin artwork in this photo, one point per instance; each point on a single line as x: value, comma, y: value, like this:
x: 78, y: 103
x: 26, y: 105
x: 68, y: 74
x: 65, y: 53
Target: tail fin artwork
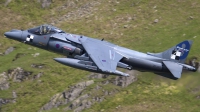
x: 177, y: 53
x: 175, y: 58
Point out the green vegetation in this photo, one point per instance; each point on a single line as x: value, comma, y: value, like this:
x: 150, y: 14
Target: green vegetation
x: 123, y: 22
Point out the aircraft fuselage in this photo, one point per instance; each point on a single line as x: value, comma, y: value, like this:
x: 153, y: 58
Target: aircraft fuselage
x: 71, y: 45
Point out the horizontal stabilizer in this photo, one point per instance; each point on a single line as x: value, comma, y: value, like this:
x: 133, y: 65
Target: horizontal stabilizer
x: 174, y: 68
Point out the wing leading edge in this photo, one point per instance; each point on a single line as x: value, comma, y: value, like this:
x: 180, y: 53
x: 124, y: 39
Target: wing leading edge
x: 103, y: 55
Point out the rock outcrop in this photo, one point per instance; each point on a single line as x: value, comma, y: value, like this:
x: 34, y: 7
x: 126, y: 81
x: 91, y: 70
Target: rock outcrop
x: 15, y: 75
x: 18, y: 74
x: 7, y: 2
x: 85, y: 10
x: 4, y: 101
x: 9, y: 50
x: 77, y: 97
x: 36, y: 54
x: 68, y: 96
x: 40, y: 66
x: 4, y: 84
x: 125, y: 81
x: 45, y: 3
x: 18, y: 55
x: 193, y: 62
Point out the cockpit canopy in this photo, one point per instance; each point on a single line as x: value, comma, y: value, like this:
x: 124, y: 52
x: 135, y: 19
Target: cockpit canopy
x: 44, y: 30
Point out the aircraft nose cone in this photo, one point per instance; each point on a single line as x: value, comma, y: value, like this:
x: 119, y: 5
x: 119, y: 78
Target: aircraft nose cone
x: 7, y: 34
x: 14, y: 35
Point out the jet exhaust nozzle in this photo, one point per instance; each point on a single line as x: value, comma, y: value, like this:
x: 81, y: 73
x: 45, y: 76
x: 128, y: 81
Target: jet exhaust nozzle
x: 189, y: 68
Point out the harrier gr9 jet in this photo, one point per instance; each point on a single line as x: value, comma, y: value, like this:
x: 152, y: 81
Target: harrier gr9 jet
x: 101, y: 56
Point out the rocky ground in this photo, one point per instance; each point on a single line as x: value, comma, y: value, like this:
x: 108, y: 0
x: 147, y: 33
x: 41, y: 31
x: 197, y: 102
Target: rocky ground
x: 85, y: 11
x: 15, y: 75
x: 74, y: 98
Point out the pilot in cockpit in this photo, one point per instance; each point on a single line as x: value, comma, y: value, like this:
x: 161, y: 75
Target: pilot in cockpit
x: 44, y: 30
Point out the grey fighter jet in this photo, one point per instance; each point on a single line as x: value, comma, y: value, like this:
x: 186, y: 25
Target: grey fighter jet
x: 101, y: 56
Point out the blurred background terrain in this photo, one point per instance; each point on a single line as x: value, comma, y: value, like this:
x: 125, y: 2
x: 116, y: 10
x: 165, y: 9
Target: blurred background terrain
x: 30, y: 80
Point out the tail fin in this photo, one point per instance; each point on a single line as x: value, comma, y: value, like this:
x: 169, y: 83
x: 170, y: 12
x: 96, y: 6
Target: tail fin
x: 177, y: 53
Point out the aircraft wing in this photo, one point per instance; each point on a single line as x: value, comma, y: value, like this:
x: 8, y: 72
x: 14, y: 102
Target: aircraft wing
x: 103, y: 55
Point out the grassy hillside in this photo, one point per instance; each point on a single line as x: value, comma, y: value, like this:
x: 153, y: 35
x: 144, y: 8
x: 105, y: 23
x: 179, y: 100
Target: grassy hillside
x: 146, y: 26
